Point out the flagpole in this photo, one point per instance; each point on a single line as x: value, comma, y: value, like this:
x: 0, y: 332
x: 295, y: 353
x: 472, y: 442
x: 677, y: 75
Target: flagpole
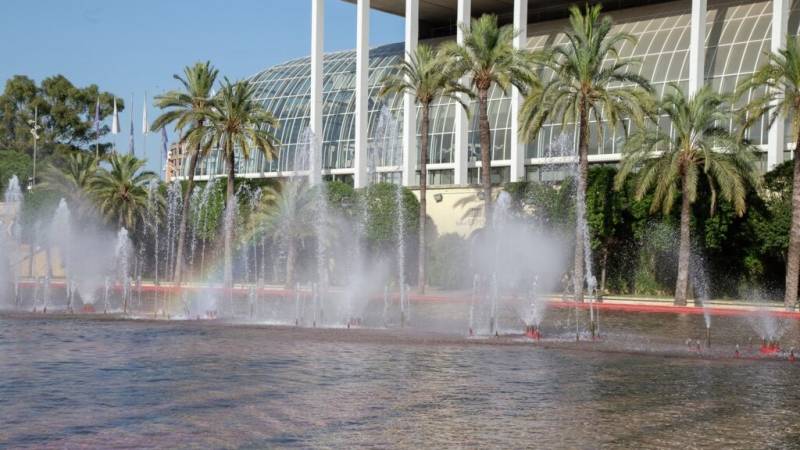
x: 145, y: 126
x: 97, y: 127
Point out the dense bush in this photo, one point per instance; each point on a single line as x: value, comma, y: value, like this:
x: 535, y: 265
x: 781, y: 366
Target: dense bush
x: 638, y: 248
x: 14, y: 163
x: 446, y: 264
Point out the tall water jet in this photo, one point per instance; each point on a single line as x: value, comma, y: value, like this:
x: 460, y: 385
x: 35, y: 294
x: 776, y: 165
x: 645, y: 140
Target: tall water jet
x: 174, y: 211
x: 386, y: 151
x: 9, y: 239
x: 200, y: 224
x: 60, y: 237
x: 152, y: 230
x: 122, y: 255
x: 229, y: 222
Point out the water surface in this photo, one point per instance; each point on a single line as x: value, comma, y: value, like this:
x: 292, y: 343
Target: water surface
x: 131, y: 384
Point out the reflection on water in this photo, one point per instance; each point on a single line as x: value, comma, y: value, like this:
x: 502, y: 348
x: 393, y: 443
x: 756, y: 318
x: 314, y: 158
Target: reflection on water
x: 93, y: 383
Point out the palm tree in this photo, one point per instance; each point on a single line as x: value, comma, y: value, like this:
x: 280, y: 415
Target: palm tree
x: 487, y: 58
x: 120, y: 191
x: 423, y: 77
x: 781, y: 78
x: 234, y: 122
x: 72, y: 180
x: 288, y: 217
x: 697, y: 150
x: 184, y: 109
x: 589, y: 80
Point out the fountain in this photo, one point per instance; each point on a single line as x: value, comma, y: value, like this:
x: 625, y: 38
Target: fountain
x: 9, y: 231
x: 122, y: 256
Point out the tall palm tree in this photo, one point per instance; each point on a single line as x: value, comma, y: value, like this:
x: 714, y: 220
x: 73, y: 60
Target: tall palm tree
x: 488, y: 58
x: 120, y: 191
x: 72, y: 180
x: 589, y: 80
x: 698, y: 150
x: 234, y: 122
x: 423, y: 77
x: 184, y: 108
x: 781, y: 78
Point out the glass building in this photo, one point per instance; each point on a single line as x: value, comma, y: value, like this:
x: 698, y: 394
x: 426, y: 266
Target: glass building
x: 737, y: 37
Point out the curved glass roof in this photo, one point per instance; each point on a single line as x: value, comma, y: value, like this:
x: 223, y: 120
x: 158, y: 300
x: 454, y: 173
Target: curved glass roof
x: 738, y: 34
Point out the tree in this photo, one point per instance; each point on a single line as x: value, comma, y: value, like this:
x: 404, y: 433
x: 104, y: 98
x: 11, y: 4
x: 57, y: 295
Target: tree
x: 14, y: 163
x: 781, y: 78
x: 697, y: 150
x: 184, y: 108
x: 589, y: 81
x: 290, y: 218
x: 120, y: 191
x: 487, y: 58
x: 423, y: 77
x: 66, y: 113
x: 72, y: 179
x: 605, y: 215
x: 234, y: 122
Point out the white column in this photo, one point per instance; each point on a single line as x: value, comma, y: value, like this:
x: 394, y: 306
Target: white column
x: 317, y: 32
x: 409, y: 105
x: 517, y: 144
x: 462, y: 124
x: 697, y: 46
x: 362, y: 93
x: 776, y: 138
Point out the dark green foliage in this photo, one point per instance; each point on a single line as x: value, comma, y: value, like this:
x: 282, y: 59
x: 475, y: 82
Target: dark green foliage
x: 381, y: 204
x: 342, y: 197
x: 446, y: 269
x: 14, y: 163
x: 549, y: 204
x: 38, y: 205
x: 65, y: 111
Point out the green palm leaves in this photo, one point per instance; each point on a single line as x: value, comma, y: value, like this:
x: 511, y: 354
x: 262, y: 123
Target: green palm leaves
x: 120, y: 191
x: 699, y: 149
x: 234, y: 120
x: 427, y: 77
x: 185, y: 107
x: 781, y: 79
x: 587, y: 73
x: 488, y: 57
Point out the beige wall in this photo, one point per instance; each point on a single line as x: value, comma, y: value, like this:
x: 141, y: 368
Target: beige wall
x: 459, y: 211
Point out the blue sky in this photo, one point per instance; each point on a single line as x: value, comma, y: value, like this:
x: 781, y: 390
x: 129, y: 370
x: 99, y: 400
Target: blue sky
x: 129, y: 47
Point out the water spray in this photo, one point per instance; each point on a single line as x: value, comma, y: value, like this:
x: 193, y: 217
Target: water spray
x: 708, y: 336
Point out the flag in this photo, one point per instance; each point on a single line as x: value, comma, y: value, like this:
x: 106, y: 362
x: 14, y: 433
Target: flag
x: 130, y: 142
x: 145, y: 125
x: 97, y: 117
x: 115, y: 119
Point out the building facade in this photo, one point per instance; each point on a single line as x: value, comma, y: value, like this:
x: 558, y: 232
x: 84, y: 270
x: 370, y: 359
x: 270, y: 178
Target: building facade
x: 336, y: 95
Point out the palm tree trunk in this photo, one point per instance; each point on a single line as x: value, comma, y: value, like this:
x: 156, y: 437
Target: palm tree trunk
x: 187, y: 196
x: 291, y: 255
x: 486, y: 154
x: 423, y: 192
x: 228, y: 227
x: 682, y: 284
x: 793, y: 253
x: 580, y: 210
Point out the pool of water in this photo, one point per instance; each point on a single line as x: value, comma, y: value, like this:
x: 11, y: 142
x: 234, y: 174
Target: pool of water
x: 79, y: 382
